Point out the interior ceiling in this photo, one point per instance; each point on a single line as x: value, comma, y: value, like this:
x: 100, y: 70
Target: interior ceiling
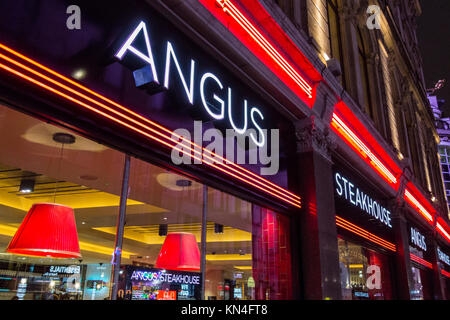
x: 87, y: 177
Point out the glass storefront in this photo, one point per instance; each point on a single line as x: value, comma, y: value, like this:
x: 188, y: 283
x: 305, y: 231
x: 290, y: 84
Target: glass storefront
x: 365, y: 274
x: 48, y: 168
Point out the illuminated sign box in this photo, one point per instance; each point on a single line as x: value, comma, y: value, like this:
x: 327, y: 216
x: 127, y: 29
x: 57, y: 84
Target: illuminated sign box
x: 142, y: 283
x: 350, y: 192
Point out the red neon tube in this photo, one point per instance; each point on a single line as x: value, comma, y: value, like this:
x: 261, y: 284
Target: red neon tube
x: 262, y: 183
x: 414, y: 197
x: 254, y: 175
x: 421, y: 261
x: 292, y: 195
x: 270, y: 44
x: 340, y: 222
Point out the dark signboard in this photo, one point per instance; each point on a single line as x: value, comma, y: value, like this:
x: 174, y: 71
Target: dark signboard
x: 358, y: 203
x: 133, y: 55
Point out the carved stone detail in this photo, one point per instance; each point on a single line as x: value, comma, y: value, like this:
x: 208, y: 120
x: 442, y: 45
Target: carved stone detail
x: 312, y: 137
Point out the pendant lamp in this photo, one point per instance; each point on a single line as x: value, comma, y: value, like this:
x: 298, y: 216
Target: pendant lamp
x: 179, y: 252
x: 48, y: 230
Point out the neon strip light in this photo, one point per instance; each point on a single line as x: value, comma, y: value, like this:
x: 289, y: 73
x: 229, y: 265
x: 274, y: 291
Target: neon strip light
x: 340, y: 222
x: 242, y: 174
x: 229, y: 8
x: 416, y: 204
x: 421, y: 261
x: 254, y: 175
x: 364, y: 150
x: 445, y: 273
x: 442, y: 231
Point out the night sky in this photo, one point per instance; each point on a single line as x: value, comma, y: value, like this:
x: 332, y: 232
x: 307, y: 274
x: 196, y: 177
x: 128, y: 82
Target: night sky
x: 433, y: 31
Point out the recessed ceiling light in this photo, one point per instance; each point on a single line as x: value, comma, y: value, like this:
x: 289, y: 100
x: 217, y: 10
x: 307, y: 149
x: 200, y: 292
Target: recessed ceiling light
x: 26, y: 185
x: 79, y: 74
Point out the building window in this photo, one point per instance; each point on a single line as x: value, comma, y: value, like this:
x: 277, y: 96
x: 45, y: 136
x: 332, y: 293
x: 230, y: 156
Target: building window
x: 365, y: 274
x: 247, y: 247
x: 364, y: 76
x: 335, y: 36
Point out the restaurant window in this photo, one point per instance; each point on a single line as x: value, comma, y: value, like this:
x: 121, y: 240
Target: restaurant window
x: 68, y: 187
x: 57, y: 188
x: 245, y: 247
x: 247, y: 251
x: 365, y: 274
x: 421, y: 284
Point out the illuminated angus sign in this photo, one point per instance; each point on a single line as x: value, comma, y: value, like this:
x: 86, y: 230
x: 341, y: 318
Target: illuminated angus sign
x: 157, y: 65
x: 351, y: 193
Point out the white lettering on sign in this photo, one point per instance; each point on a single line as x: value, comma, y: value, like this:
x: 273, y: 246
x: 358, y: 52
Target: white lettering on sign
x: 351, y: 193
x: 217, y: 101
x: 165, y: 277
x: 443, y: 257
x: 418, y: 239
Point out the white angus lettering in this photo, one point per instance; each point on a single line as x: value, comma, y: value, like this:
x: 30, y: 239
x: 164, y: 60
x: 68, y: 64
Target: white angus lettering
x: 230, y: 114
x: 189, y: 91
x: 261, y: 132
x: 205, y: 77
x: 127, y: 46
x: 171, y: 56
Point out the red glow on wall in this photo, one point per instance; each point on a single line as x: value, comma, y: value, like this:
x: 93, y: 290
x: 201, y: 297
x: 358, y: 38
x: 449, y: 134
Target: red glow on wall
x: 347, y: 126
x: 256, y: 29
x: 48, y: 230
x: 271, y: 255
x: 179, y: 252
x: 421, y: 261
x: 340, y: 222
x: 57, y: 84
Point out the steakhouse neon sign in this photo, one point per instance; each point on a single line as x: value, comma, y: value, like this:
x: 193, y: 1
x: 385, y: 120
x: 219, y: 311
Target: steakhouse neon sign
x: 165, y: 277
x: 347, y: 190
x: 219, y: 106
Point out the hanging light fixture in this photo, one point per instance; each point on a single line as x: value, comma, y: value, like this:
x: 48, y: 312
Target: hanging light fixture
x: 48, y: 230
x: 179, y: 252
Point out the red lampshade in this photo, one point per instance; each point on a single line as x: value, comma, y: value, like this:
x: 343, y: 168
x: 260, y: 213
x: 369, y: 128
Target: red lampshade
x: 179, y: 252
x: 48, y: 230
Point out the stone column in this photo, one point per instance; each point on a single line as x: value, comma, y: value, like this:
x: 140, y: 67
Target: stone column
x: 439, y: 285
x: 317, y: 235
x: 403, y: 276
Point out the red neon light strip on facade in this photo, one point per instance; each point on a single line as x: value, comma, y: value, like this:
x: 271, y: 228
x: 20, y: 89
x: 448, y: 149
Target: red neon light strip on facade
x: 230, y: 8
x: 445, y: 273
x: 295, y: 202
x: 416, y: 205
x: 254, y: 175
x: 290, y: 195
x: 364, y: 233
x: 442, y: 231
x: 421, y: 261
x: 348, y: 135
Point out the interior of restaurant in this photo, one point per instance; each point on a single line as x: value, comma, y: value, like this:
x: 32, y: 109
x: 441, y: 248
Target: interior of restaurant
x: 44, y: 163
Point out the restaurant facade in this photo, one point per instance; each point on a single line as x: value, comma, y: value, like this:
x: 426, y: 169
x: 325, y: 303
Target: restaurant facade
x: 203, y: 149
